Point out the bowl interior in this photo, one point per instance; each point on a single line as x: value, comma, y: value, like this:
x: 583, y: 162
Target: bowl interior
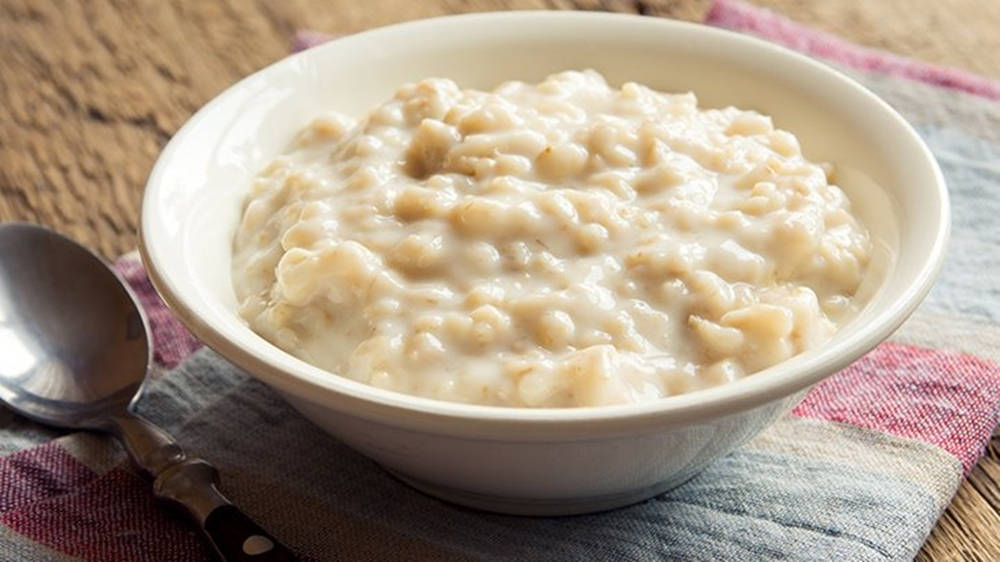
x: 194, y: 197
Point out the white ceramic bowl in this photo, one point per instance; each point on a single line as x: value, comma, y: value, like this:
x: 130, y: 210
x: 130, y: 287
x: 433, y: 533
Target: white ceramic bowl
x: 540, y: 461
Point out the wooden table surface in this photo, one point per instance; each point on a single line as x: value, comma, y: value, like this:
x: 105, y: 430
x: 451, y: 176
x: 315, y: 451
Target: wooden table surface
x: 91, y: 91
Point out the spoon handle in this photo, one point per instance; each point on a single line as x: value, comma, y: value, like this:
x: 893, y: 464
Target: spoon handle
x: 192, y: 484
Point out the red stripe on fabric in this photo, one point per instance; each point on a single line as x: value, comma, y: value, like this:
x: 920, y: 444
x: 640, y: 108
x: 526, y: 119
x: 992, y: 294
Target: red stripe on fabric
x: 172, y: 343
x: 39, y: 473
x: 113, y: 518
x: 738, y: 16
x: 306, y: 39
x: 951, y: 400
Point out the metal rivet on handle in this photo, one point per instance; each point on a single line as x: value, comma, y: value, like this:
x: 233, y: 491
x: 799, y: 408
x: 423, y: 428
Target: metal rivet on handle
x: 257, y: 544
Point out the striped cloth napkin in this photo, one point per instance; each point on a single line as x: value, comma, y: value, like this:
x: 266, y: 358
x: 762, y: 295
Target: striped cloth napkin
x: 860, y: 470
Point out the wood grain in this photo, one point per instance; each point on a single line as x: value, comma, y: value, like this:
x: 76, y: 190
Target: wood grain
x: 91, y: 91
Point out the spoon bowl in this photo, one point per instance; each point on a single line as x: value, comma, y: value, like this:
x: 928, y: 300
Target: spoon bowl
x: 75, y: 354
x: 75, y: 341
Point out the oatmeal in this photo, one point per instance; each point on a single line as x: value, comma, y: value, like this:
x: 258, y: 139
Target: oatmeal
x: 550, y: 245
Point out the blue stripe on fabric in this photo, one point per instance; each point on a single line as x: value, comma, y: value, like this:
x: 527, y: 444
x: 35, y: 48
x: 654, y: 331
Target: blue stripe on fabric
x: 15, y: 547
x: 970, y: 281
x: 750, y: 505
x: 17, y: 432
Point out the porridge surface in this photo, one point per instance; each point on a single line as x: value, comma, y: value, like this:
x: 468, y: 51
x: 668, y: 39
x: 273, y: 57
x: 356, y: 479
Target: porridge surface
x: 559, y: 244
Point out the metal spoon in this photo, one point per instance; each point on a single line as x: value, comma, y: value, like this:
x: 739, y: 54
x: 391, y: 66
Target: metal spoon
x: 74, y: 353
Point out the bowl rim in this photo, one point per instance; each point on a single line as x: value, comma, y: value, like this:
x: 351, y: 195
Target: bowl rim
x: 340, y: 393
